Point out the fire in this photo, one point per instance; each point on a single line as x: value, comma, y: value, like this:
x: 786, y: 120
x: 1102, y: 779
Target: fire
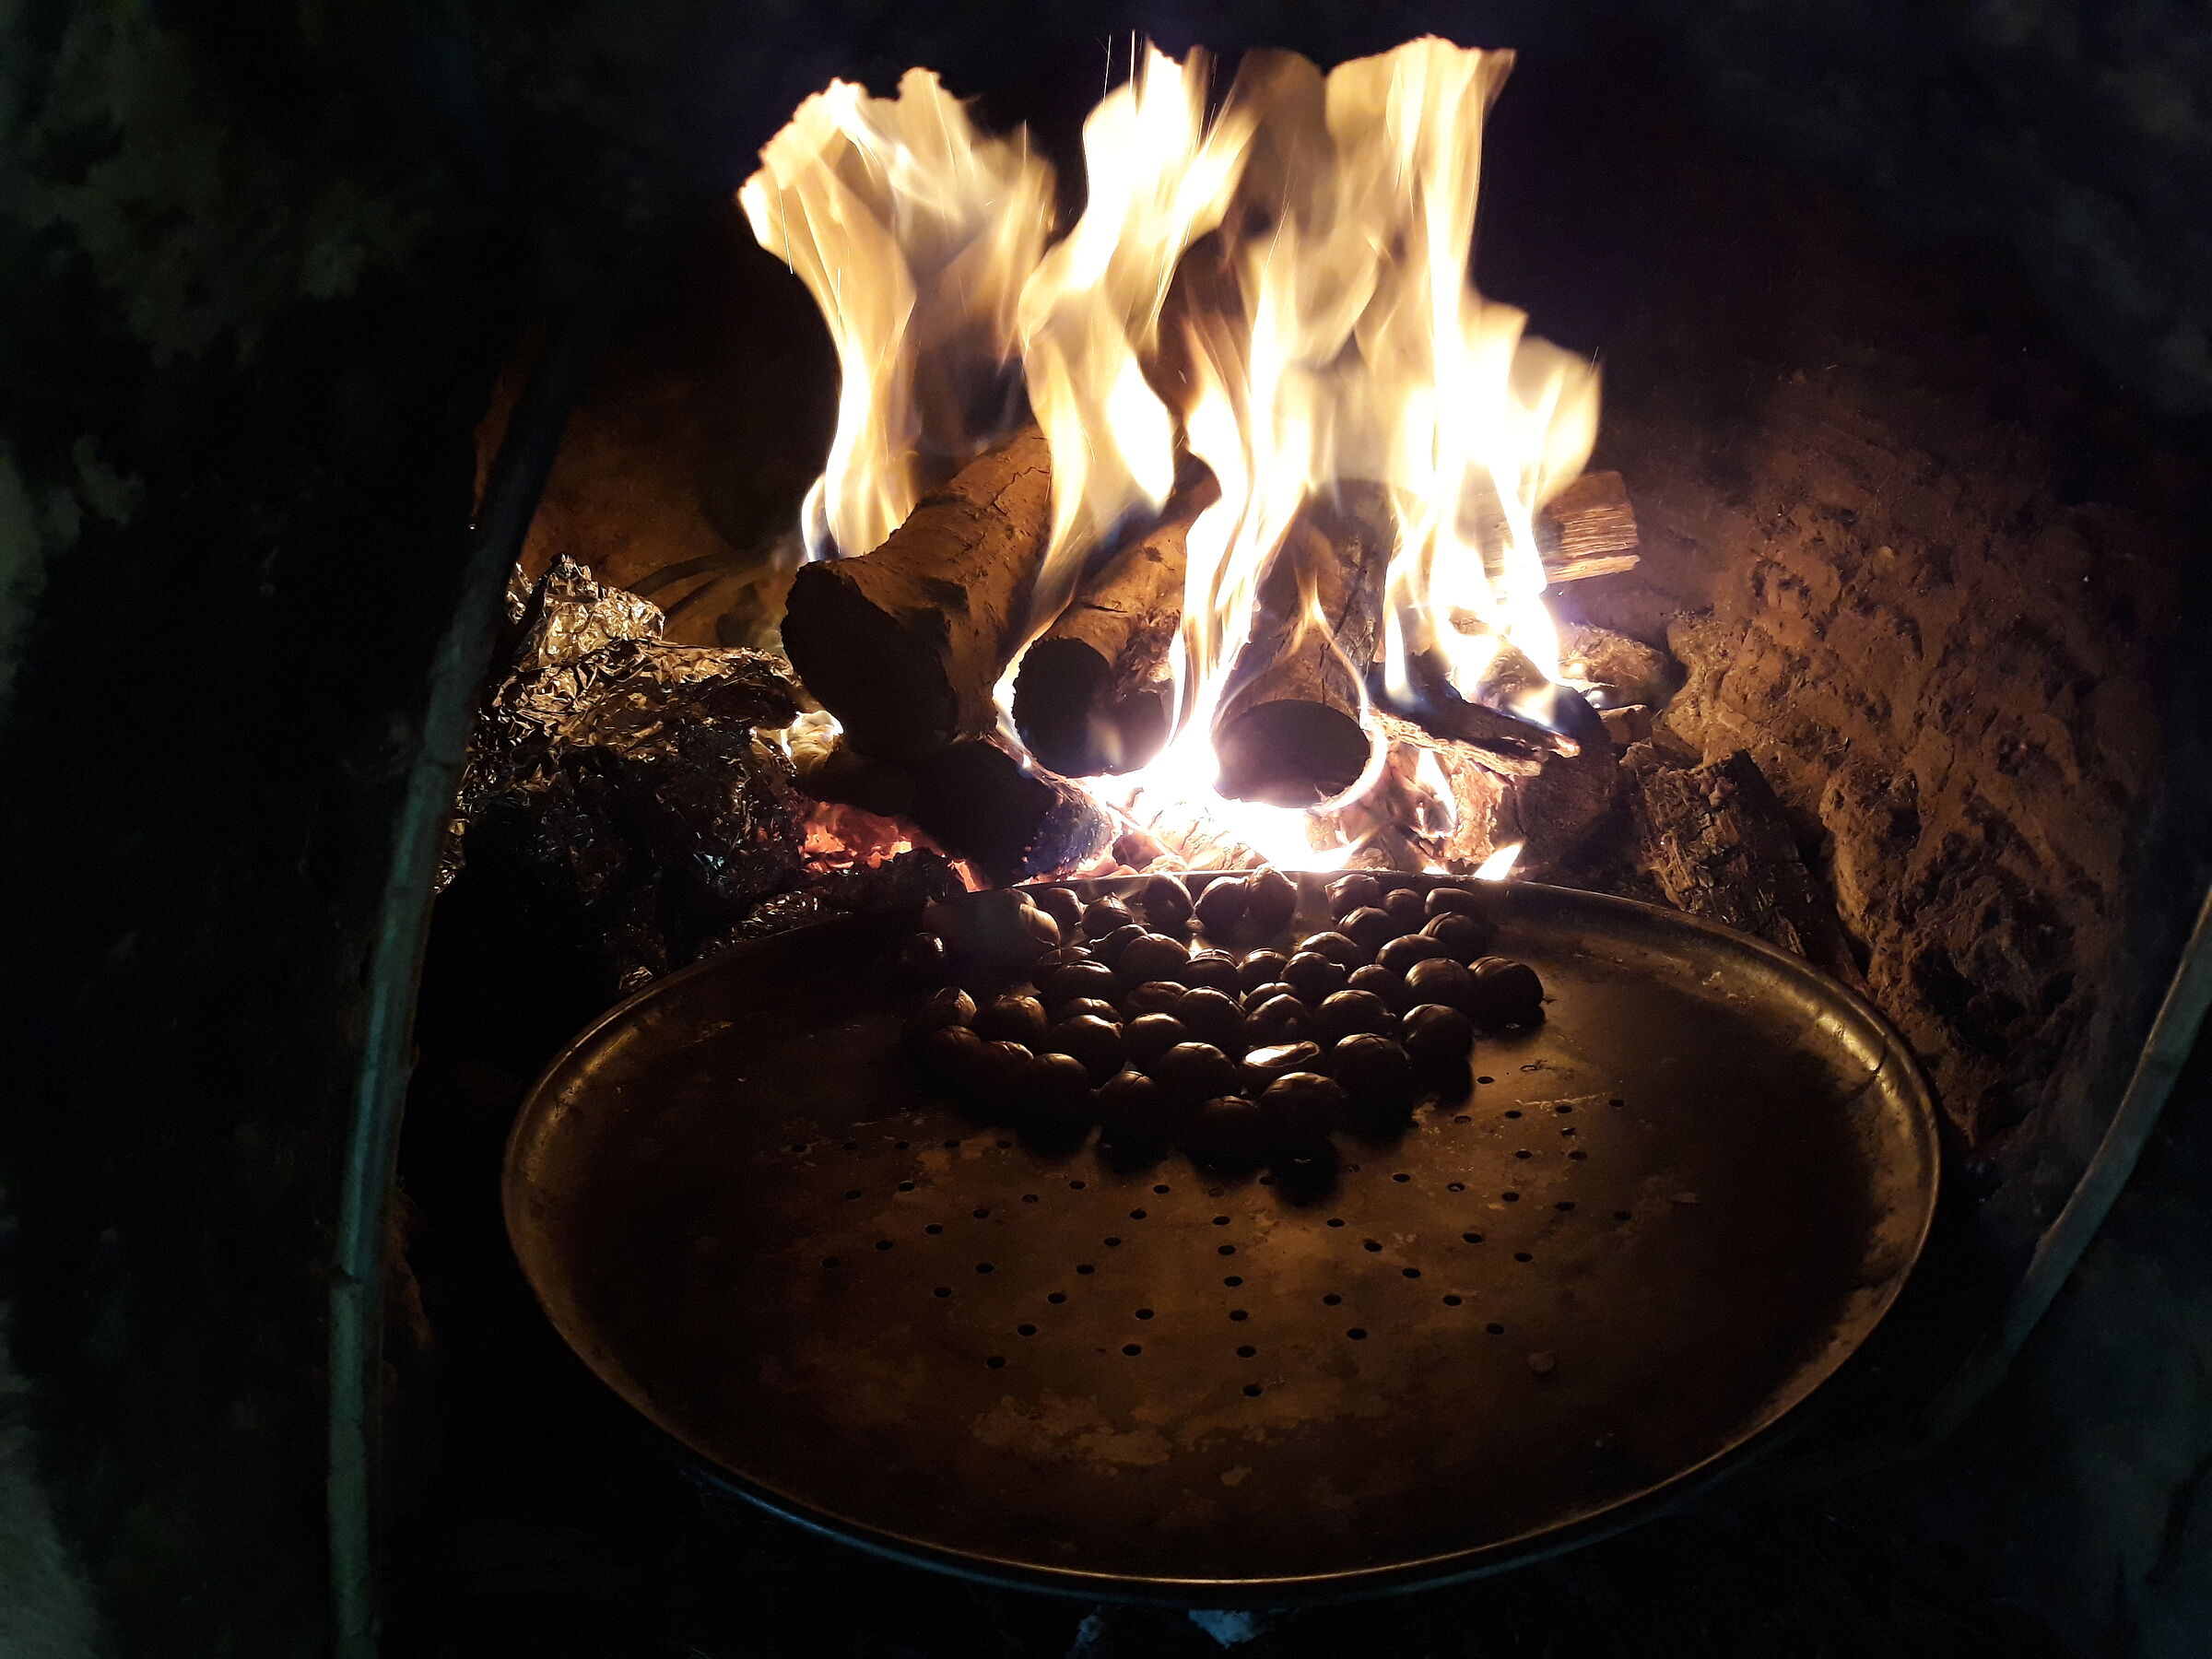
x: 1282, y: 293
x: 914, y: 233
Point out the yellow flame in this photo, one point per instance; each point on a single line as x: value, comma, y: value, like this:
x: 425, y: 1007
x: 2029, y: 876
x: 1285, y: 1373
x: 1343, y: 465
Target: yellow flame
x: 1158, y: 176
x: 1500, y: 864
x: 1330, y: 345
x: 914, y: 233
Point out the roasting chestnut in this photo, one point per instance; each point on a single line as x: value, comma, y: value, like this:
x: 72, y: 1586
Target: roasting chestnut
x: 1060, y: 1085
x: 1441, y: 980
x: 1220, y: 908
x: 1378, y: 981
x: 1147, y: 1037
x: 994, y: 930
x: 1461, y: 935
x: 1370, y: 929
x: 1195, y: 1071
x: 1356, y: 891
x: 1298, y: 1109
x: 1062, y: 905
x: 1225, y: 1135
x: 1402, y: 953
x: 1060, y: 1102
x: 1214, y: 970
x: 1263, y: 1065
x: 1075, y: 1007
x: 1132, y: 1110
x: 1341, y: 951
x: 1438, y: 1037
x: 1260, y: 994
x: 1506, y: 992
x: 1270, y: 901
x: 1261, y: 968
x: 1278, y: 1019
x: 1153, y: 957
x: 1011, y: 1020
x: 1315, y: 976
x: 922, y: 959
x: 1154, y: 997
x: 1094, y: 1041
x: 1464, y: 902
x: 1070, y: 980
x: 1375, y: 1071
x: 1002, y: 1081
x: 1101, y: 916
x: 1345, y: 1012
x: 953, y: 1055
x: 1166, y: 901
x: 948, y: 1006
x: 1212, y: 1017
x: 1108, y: 947
x: 1406, y: 906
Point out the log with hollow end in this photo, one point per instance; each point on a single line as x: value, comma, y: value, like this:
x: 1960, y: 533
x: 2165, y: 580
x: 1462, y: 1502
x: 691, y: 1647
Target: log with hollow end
x: 904, y: 644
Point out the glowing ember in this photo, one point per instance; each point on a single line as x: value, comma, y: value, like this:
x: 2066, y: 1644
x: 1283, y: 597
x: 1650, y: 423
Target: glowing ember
x: 1323, y: 352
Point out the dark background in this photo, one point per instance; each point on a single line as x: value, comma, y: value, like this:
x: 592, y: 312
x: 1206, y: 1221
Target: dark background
x: 261, y: 263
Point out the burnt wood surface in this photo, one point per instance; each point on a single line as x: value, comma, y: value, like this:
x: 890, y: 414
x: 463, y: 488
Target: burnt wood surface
x: 904, y: 644
x: 1718, y: 843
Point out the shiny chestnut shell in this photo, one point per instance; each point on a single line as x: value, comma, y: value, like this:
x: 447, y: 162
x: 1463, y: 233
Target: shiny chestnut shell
x: 1011, y: 1019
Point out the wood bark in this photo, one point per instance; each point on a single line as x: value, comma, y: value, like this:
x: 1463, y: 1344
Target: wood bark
x: 1092, y: 694
x: 1588, y: 529
x: 1291, y: 732
x: 904, y: 644
x: 1718, y: 844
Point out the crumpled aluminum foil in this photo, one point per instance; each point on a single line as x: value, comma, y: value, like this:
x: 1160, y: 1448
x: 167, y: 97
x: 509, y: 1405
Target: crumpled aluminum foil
x: 636, y: 774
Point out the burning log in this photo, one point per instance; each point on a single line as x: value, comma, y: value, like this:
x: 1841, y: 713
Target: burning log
x: 1291, y: 732
x: 904, y: 644
x: 978, y: 802
x: 1092, y: 696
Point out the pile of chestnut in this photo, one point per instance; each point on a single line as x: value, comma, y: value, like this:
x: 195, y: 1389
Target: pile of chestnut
x: 1112, y: 1016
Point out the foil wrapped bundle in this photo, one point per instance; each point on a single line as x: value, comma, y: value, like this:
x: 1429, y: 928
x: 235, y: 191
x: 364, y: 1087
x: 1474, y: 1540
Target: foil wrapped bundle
x: 646, y: 781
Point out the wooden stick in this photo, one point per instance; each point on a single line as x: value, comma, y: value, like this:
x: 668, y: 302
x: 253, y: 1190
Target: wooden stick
x: 1291, y: 732
x: 1588, y: 529
x: 1092, y: 695
x: 904, y: 644
x: 1718, y: 843
x: 978, y: 803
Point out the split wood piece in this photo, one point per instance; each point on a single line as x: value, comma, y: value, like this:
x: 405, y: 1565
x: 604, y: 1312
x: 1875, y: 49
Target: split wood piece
x: 1588, y: 529
x: 1717, y: 843
x: 978, y: 803
x: 904, y: 644
x: 1291, y: 732
x: 1092, y: 696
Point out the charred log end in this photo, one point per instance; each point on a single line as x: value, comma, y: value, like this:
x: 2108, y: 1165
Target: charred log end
x: 847, y: 652
x: 1289, y: 753
x: 1065, y: 710
x: 978, y: 802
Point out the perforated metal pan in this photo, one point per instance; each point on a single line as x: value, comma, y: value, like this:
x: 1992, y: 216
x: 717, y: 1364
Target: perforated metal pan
x: 1659, y: 1220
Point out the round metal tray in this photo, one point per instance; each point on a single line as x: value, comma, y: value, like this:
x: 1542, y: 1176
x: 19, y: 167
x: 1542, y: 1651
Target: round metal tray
x: 1661, y: 1218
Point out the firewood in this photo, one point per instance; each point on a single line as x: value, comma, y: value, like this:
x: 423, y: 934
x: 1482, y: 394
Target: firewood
x: 1092, y: 696
x: 981, y: 803
x: 1291, y: 732
x: 1716, y: 840
x: 904, y: 644
x: 1588, y: 529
